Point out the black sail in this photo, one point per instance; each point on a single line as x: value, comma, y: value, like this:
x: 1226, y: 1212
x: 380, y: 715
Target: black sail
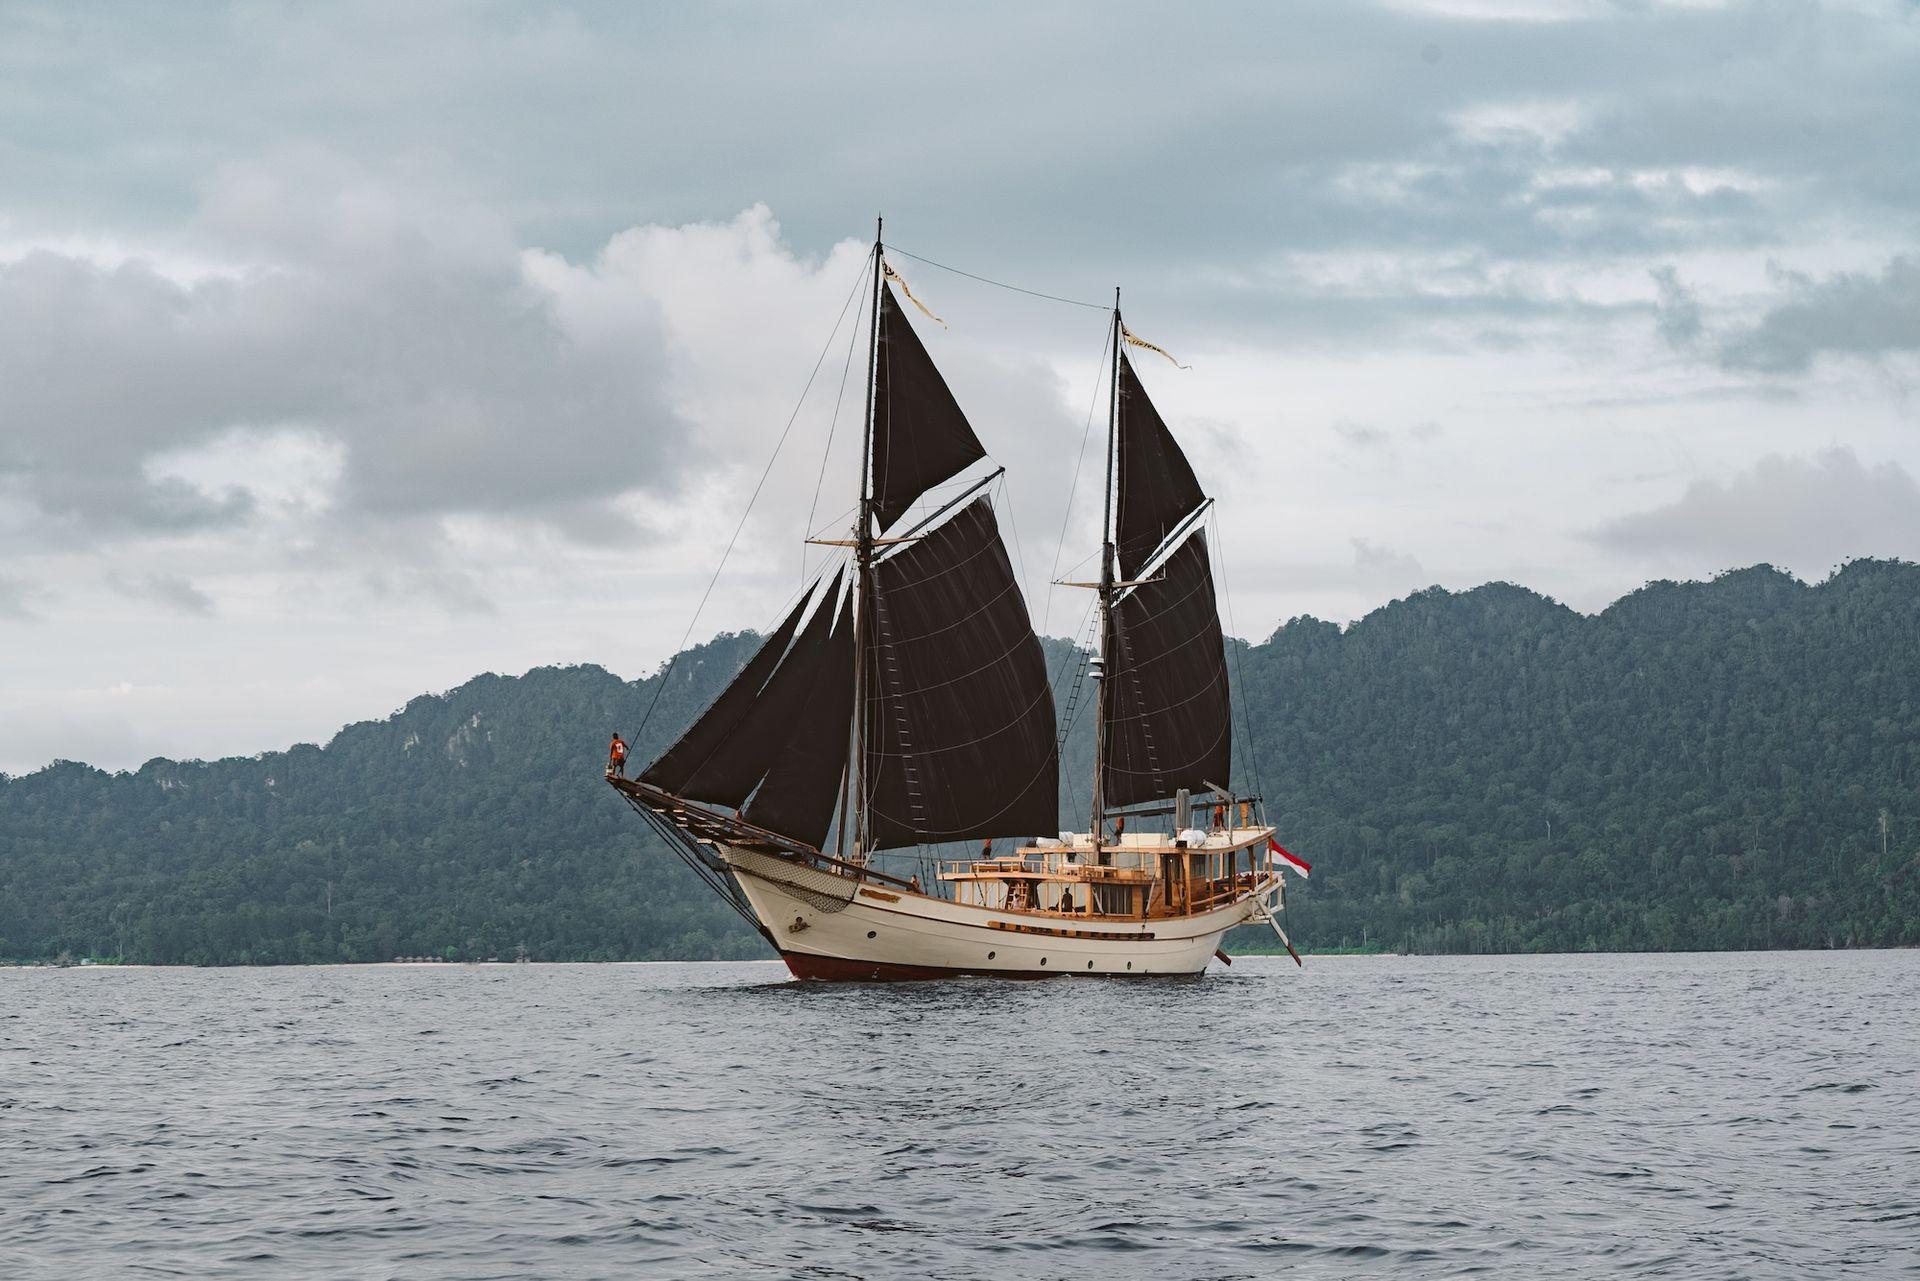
x: 1168, y: 723
x: 802, y: 785
x: 960, y: 728
x: 1156, y: 487
x: 920, y: 437
x: 714, y: 726
x: 726, y: 753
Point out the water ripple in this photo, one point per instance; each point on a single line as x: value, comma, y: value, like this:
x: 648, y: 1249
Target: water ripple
x: 1694, y: 1116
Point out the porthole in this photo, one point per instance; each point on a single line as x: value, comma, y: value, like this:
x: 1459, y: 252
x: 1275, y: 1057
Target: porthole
x: 991, y: 955
x: 1129, y: 964
x: 1089, y: 964
x: 871, y: 933
x: 1043, y: 960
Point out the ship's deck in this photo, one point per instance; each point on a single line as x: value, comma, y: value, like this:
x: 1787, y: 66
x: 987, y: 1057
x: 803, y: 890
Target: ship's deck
x: 1137, y: 876
x: 1075, y: 857
x: 1141, y: 875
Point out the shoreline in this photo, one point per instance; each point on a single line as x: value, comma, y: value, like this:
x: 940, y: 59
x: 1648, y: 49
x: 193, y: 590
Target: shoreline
x: 777, y: 963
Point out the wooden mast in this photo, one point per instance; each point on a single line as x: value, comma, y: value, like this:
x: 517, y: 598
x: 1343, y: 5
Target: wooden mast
x: 1106, y: 591
x: 863, y: 570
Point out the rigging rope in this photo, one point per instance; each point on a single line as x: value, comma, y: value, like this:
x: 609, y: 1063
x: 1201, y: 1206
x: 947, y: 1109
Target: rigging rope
x: 998, y: 284
x: 832, y: 425
x: 1239, y: 679
x: 661, y: 683
x: 1079, y: 651
x: 1079, y: 461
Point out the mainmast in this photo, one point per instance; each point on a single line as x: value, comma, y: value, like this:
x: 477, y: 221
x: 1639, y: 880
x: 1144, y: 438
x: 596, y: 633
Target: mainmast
x: 863, y: 570
x: 1101, y: 664
x: 928, y: 655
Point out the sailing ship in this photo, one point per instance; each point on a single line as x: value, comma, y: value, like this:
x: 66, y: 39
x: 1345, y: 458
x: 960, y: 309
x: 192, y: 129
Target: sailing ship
x: 904, y: 703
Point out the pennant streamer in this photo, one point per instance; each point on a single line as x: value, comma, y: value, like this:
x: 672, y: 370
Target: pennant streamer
x: 901, y: 281
x: 1133, y: 340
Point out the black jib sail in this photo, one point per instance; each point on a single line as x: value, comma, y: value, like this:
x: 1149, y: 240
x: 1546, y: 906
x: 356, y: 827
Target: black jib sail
x: 920, y: 437
x: 725, y: 754
x: 802, y: 785
x: 960, y: 728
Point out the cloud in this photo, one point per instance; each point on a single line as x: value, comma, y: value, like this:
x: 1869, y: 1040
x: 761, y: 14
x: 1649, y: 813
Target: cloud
x: 1342, y: 577
x: 1677, y: 311
x: 1621, y: 129
x: 1845, y: 314
x: 450, y: 588
x: 1361, y: 436
x: 1378, y: 563
x: 15, y: 597
x: 501, y: 337
x: 381, y: 364
x: 1385, y: 444
x: 170, y: 591
x: 1808, y: 514
x: 1474, y: 205
x: 389, y: 317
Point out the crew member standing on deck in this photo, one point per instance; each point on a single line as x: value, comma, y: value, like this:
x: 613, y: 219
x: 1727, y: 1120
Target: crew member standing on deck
x: 617, y: 757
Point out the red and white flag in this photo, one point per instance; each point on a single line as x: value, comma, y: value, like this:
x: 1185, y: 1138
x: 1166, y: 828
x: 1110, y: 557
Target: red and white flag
x: 1283, y: 859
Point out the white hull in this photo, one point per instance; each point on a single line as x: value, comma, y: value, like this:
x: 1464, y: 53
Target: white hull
x: 827, y: 927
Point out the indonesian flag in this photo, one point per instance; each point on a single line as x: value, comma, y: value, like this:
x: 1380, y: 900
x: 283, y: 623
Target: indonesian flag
x: 1284, y: 859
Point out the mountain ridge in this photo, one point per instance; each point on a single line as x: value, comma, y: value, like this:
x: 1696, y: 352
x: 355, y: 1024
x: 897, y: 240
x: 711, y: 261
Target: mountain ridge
x: 724, y: 640
x: 1701, y: 764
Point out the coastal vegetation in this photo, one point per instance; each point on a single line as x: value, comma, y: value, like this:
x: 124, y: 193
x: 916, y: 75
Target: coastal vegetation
x: 1719, y: 765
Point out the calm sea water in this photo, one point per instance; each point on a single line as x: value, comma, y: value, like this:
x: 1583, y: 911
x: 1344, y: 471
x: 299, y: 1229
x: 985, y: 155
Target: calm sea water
x: 1687, y: 1116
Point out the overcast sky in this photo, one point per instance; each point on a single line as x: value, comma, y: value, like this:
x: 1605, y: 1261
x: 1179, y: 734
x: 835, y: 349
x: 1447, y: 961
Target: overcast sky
x: 348, y: 351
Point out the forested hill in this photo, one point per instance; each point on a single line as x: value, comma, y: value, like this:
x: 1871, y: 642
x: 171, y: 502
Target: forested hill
x: 1704, y: 765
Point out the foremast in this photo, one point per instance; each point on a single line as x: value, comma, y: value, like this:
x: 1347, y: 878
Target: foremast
x: 1102, y: 662
x: 855, y: 814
